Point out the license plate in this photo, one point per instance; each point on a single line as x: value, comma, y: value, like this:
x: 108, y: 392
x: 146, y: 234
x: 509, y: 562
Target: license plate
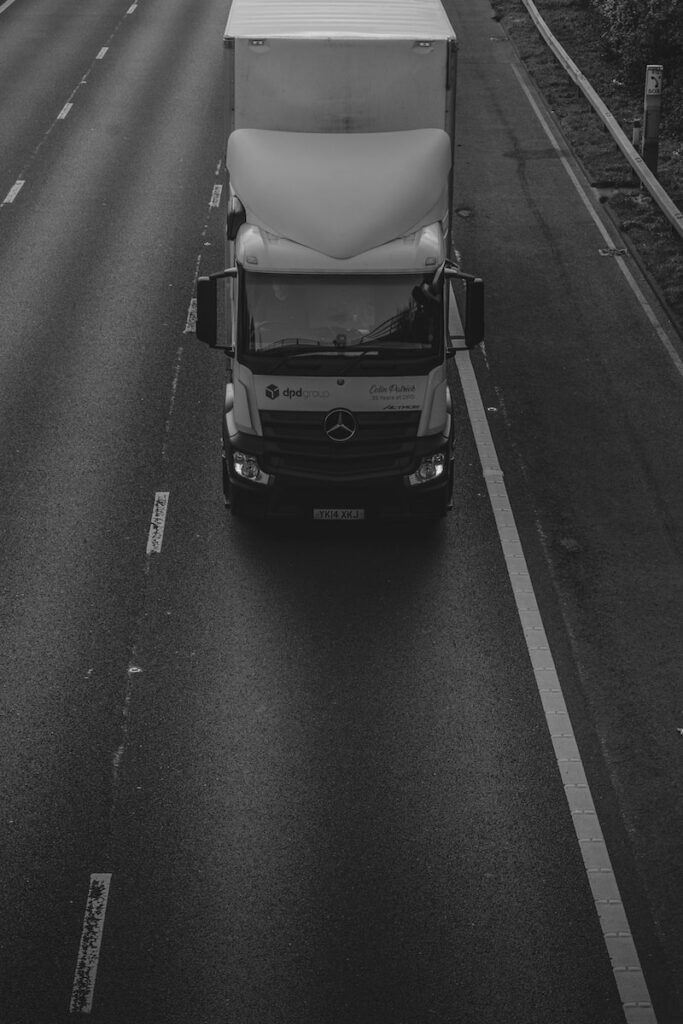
x: 339, y: 513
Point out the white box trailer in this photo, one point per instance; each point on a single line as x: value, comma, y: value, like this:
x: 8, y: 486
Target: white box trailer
x: 321, y: 66
x: 341, y: 119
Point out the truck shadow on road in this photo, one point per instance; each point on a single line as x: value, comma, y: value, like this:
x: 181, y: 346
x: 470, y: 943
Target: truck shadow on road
x: 349, y: 535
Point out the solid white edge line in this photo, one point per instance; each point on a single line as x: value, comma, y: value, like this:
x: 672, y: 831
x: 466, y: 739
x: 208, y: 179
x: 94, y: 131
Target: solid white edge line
x: 83, y: 989
x: 662, y: 334
x: 156, y: 527
x: 7, y: 3
x: 616, y: 932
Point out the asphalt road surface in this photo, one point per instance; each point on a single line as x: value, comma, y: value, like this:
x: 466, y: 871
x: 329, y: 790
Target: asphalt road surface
x: 305, y: 776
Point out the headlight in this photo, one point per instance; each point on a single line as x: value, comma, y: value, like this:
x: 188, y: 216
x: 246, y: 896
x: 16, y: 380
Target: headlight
x: 247, y: 467
x: 431, y: 467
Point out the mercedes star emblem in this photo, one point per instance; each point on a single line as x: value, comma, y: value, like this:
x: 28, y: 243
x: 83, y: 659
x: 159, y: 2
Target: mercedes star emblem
x: 340, y: 425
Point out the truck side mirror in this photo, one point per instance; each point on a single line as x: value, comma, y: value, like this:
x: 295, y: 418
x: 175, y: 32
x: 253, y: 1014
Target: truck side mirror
x: 472, y: 331
x: 237, y: 216
x: 206, y: 327
x: 474, y: 312
x: 206, y: 323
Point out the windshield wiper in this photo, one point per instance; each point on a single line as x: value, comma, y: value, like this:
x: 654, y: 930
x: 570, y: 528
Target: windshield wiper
x: 387, y: 328
x: 295, y: 343
x: 298, y: 347
x: 360, y: 354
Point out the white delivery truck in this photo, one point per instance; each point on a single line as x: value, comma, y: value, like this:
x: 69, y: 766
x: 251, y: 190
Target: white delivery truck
x: 340, y: 313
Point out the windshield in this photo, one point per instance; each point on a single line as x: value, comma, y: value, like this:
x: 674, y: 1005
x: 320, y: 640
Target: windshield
x: 304, y: 318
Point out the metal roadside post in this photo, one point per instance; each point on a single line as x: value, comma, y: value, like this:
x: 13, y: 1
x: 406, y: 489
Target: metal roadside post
x: 652, y: 107
x: 637, y: 143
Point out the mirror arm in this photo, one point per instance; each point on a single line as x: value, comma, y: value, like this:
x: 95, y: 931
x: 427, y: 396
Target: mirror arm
x: 228, y: 272
x: 452, y: 272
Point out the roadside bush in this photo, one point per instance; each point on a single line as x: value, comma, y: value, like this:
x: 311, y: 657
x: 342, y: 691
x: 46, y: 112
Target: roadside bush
x: 639, y: 32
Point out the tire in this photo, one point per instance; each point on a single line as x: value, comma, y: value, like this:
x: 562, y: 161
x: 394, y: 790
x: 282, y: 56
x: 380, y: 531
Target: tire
x: 226, y: 482
x: 236, y: 503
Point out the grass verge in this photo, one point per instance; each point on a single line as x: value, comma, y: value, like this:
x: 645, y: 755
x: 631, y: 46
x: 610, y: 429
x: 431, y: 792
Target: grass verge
x: 650, y: 237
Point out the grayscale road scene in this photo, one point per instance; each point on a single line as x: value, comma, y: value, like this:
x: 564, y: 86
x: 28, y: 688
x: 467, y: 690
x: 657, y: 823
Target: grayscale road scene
x: 423, y: 770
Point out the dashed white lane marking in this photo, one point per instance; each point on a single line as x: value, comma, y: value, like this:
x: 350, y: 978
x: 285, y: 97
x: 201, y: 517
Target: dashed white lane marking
x: 13, y: 192
x: 171, y: 404
x: 11, y: 195
x: 156, y: 527
x: 662, y: 334
x: 214, y: 203
x: 616, y: 932
x: 191, y: 321
x: 83, y: 989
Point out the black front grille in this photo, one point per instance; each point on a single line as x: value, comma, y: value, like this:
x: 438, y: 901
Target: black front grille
x: 296, y: 444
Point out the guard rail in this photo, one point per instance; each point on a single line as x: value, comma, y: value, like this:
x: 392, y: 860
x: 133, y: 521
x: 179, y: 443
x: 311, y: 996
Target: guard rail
x: 662, y: 199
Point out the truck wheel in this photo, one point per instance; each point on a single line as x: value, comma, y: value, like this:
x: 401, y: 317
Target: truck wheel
x: 449, y: 491
x: 233, y: 500
x: 237, y: 507
x: 226, y: 482
x: 446, y: 501
x: 237, y: 503
x: 445, y: 506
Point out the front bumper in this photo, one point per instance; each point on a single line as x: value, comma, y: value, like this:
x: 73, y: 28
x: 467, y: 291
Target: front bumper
x: 303, y: 471
x: 284, y: 500
x: 385, y: 498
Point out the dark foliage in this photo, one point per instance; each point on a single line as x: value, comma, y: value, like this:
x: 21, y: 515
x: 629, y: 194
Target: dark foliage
x: 640, y: 32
